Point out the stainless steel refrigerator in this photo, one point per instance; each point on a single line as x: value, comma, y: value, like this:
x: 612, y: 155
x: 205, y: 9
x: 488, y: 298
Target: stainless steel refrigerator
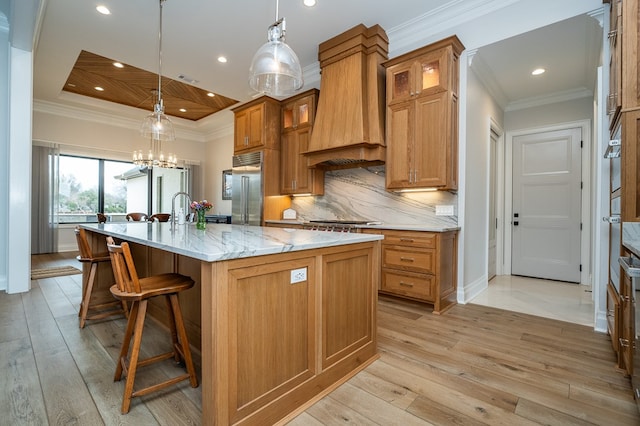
x: 246, y: 189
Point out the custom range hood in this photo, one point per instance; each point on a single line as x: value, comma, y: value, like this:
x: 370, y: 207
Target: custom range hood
x: 349, y: 125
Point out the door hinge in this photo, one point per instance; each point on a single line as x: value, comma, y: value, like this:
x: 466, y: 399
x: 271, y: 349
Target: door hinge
x: 581, y: 144
x: 581, y: 267
x: 581, y: 226
x: 581, y: 185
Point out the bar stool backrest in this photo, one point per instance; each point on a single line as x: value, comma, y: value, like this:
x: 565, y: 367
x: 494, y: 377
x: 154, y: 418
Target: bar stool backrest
x: 83, y: 245
x: 124, y: 270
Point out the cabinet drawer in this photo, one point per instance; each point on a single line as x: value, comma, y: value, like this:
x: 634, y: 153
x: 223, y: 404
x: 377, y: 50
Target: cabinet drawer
x: 413, y: 239
x: 408, y: 259
x: 408, y: 284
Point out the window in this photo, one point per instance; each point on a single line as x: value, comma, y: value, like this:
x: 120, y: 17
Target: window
x: 91, y: 185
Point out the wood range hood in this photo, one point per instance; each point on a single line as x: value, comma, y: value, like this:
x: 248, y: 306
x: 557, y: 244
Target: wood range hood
x: 349, y: 125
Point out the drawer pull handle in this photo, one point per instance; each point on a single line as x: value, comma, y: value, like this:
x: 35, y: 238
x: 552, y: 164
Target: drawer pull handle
x: 624, y: 342
x: 407, y: 240
x: 403, y: 284
x: 407, y: 259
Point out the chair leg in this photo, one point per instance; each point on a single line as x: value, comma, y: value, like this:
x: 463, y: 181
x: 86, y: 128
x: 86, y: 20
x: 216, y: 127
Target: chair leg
x: 184, y: 341
x: 126, y: 340
x: 172, y: 328
x: 86, y: 297
x: 135, y: 353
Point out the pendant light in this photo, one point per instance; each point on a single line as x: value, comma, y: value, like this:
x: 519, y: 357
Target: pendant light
x: 275, y: 68
x: 155, y: 156
x: 157, y: 125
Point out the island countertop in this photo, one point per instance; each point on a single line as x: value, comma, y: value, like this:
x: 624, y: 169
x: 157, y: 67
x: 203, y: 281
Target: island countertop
x: 224, y: 242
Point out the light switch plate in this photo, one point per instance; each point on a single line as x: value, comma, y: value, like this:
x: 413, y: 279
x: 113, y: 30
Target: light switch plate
x: 444, y: 210
x: 298, y: 275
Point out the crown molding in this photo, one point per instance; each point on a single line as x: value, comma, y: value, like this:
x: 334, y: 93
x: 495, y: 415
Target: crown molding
x: 554, y: 98
x: 486, y: 77
x: 112, y: 117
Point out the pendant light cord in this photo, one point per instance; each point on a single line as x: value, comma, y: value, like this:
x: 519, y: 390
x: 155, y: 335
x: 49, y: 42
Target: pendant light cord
x: 160, y: 57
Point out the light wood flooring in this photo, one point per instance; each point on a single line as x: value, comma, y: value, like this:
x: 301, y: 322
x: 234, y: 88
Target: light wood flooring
x: 474, y: 365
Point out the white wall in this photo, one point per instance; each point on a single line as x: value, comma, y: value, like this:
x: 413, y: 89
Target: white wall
x: 219, y: 153
x: 481, y: 110
x: 4, y: 148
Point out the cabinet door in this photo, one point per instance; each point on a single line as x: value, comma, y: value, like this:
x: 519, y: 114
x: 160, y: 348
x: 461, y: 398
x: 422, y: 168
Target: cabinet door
x: 256, y: 126
x: 614, y: 100
x: 630, y: 41
x: 298, y: 114
x: 630, y: 153
x: 241, y: 138
x: 627, y: 329
x: 432, y: 142
x: 431, y: 73
x: 400, y: 136
x: 400, y: 83
x: 289, y: 156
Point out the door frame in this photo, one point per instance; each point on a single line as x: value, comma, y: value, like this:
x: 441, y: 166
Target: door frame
x: 499, y: 176
x: 585, y: 235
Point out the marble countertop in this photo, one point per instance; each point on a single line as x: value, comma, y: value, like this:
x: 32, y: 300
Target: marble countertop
x: 223, y: 242
x: 399, y: 227
x: 631, y: 237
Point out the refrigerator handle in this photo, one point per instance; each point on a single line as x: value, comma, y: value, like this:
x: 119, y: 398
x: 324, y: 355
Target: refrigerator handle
x: 244, y: 201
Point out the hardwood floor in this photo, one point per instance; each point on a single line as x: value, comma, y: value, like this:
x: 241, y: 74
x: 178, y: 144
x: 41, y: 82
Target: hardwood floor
x: 474, y: 365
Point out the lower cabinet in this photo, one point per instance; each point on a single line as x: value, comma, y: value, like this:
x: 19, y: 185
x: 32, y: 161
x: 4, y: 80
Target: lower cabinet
x: 613, y: 318
x: 421, y: 266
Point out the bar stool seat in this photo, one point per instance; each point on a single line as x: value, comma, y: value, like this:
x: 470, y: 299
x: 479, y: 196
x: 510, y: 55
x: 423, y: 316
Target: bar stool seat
x: 98, y: 310
x: 138, y: 291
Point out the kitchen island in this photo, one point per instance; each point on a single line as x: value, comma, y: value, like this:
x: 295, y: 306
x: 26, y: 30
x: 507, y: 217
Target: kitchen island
x: 281, y: 316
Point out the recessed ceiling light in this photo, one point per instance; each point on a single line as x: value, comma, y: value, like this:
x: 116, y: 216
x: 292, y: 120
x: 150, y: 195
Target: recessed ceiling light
x: 103, y: 9
x: 183, y: 110
x: 118, y: 65
x: 538, y: 71
x: 309, y: 2
x: 211, y: 95
x: 99, y: 89
x: 222, y: 59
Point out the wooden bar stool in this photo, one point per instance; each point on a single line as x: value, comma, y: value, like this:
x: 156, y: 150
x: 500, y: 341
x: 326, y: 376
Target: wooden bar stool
x: 106, y: 309
x: 138, y: 291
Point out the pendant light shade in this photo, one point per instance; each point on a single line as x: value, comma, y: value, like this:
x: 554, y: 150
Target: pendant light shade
x: 275, y: 69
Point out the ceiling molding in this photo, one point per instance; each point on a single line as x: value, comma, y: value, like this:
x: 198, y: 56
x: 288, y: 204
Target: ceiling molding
x: 420, y: 30
x: 487, y: 78
x: 114, y: 118
x: 554, y: 98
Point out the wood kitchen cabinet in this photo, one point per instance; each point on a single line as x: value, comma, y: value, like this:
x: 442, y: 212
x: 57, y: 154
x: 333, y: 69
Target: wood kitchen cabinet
x: 420, y: 265
x: 298, y: 114
x: 630, y: 162
x: 257, y: 125
x: 614, y: 100
x: 422, y: 117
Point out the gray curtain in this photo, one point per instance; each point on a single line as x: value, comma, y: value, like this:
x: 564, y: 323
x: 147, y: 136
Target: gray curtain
x: 44, y: 199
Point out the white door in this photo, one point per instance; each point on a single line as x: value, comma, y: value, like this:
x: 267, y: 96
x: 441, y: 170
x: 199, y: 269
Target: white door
x: 546, y: 205
x: 493, y: 217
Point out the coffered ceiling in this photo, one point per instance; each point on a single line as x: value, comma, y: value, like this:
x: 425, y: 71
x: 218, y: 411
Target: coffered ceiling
x: 77, y: 45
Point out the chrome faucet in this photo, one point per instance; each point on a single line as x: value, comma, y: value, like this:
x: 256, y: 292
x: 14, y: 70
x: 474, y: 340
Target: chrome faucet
x: 173, y: 207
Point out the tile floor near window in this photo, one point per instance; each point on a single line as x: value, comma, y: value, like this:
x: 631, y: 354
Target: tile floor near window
x: 545, y: 298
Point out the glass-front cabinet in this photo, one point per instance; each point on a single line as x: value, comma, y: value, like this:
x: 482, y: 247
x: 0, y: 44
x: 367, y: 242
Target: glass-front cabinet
x: 421, y: 76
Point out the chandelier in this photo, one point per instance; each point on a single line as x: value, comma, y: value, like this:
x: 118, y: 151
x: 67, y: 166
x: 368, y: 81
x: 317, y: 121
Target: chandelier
x: 157, y: 126
x: 275, y: 69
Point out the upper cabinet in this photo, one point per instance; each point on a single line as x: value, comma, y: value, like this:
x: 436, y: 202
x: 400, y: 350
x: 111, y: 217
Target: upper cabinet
x: 257, y: 125
x: 614, y: 100
x: 298, y: 114
x: 422, y: 117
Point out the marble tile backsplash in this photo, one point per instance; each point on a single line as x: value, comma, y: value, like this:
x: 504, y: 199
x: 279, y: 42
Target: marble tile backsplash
x: 359, y: 194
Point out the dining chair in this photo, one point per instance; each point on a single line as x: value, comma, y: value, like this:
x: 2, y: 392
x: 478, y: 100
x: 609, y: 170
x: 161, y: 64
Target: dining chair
x: 137, y: 291
x: 136, y: 217
x: 160, y: 217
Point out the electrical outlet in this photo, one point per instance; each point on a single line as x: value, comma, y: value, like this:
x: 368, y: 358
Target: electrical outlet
x: 298, y: 275
x: 444, y: 210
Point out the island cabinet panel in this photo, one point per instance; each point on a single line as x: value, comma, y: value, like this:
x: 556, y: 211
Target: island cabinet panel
x: 346, y: 321
x: 271, y: 345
